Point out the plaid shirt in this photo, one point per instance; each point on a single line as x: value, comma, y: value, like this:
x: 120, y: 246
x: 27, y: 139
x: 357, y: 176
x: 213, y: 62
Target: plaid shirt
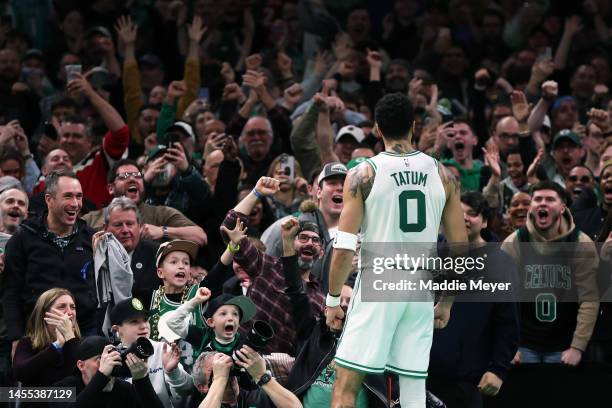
x: 268, y: 294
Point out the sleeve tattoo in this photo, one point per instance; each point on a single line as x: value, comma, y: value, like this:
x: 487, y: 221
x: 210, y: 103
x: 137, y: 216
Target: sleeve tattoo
x: 362, y: 179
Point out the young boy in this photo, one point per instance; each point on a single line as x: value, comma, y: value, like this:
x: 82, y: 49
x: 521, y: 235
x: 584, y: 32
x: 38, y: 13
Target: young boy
x: 129, y: 322
x: 224, y: 315
x: 173, y: 261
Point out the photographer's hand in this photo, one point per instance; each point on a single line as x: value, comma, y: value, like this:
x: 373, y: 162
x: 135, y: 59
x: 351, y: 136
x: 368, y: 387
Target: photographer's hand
x: 138, y: 368
x: 252, y: 361
x: 109, y: 359
x: 222, y: 364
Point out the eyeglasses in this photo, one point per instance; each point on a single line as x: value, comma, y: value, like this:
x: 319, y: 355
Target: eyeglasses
x: 583, y: 179
x: 124, y: 176
x: 303, y: 238
x: 257, y: 132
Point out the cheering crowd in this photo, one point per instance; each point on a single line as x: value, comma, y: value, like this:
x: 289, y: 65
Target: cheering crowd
x: 173, y: 170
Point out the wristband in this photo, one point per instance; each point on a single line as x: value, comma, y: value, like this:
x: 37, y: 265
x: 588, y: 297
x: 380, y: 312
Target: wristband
x: 233, y: 249
x: 345, y: 240
x: 258, y: 194
x: 332, y: 301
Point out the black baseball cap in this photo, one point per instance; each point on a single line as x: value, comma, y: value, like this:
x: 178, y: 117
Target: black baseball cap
x: 309, y: 226
x: 127, y: 309
x: 331, y: 170
x: 246, y: 306
x: 91, y: 347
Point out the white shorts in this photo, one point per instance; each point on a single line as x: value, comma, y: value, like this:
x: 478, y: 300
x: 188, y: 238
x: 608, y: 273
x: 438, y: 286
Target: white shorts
x: 386, y: 336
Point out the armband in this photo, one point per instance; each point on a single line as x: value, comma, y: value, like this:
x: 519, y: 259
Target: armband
x: 345, y: 240
x: 332, y: 301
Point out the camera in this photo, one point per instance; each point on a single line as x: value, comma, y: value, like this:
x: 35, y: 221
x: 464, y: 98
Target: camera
x: 141, y: 348
x: 257, y: 338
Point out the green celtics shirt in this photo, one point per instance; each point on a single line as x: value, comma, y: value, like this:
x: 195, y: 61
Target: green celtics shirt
x: 160, y: 305
x: 320, y: 392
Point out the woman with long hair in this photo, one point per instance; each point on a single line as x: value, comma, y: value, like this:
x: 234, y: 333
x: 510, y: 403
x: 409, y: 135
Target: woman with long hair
x: 48, y: 351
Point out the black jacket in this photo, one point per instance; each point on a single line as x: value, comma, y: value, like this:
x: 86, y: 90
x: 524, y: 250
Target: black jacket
x: 35, y: 264
x: 145, y: 271
x: 123, y: 394
x: 588, y: 216
x: 317, y: 346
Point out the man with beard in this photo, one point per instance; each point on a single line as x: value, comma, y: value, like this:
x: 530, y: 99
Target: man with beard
x: 328, y: 194
x: 266, y: 271
x: 588, y: 214
x: 461, y: 146
x: 580, y: 177
x: 122, y: 219
x: 22, y: 105
x: 557, y: 274
x: 158, y: 222
x: 567, y: 152
x: 13, y: 209
x: 49, y: 251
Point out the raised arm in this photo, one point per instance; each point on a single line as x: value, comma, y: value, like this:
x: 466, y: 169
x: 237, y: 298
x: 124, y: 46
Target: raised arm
x: 112, y: 119
x: 195, y: 31
x: 325, y: 132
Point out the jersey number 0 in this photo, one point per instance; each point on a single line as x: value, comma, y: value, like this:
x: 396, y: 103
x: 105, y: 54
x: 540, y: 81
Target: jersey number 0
x: 421, y: 217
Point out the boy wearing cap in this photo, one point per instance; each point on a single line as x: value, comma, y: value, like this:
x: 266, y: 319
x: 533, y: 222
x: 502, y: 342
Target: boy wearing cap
x: 129, y: 322
x: 224, y: 315
x: 95, y: 386
x: 173, y: 261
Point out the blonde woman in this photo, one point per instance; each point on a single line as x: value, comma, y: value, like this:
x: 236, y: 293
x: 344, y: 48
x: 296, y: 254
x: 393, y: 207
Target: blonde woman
x: 48, y: 351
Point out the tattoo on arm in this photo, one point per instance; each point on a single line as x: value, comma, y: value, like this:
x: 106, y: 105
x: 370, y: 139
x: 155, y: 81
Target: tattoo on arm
x: 361, y: 179
x: 450, y: 182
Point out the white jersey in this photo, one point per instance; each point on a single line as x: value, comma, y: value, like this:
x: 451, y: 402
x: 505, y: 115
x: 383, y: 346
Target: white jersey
x: 406, y: 201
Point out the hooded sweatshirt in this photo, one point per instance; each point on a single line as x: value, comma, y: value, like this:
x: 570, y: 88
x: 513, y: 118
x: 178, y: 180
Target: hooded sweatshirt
x: 549, y: 331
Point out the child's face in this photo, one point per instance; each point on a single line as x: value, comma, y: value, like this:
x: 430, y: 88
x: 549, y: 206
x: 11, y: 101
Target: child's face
x: 225, y: 321
x: 174, y: 270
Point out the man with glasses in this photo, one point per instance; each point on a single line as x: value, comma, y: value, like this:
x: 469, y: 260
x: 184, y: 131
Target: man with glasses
x: 158, y: 221
x: 267, y: 272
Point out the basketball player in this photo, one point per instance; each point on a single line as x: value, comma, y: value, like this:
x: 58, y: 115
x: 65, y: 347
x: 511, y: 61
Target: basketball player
x: 399, y: 334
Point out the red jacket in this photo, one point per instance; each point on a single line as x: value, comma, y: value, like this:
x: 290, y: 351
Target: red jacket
x: 93, y: 170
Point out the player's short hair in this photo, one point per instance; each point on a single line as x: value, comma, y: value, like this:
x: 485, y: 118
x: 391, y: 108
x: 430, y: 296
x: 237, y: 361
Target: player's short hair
x: 550, y: 185
x: 477, y: 202
x: 394, y: 116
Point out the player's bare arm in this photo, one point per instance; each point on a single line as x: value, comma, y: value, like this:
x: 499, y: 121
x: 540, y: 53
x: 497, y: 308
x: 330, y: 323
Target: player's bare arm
x: 454, y: 229
x: 357, y: 187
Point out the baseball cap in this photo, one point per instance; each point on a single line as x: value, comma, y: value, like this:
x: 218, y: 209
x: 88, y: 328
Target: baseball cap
x: 176, y: 245
x: 309, y: 226
x: 150, y: 60
x: 8, y: 182
x: 156, y: 152
x: 246, y: 306
x: 331, y: 170
x: 182, y: 127
x: 91, y: 347
x: 127, y: 309
x: 355, y: 162
x: 99, y: 30
x: 566, y: 134
x: 350, y: 130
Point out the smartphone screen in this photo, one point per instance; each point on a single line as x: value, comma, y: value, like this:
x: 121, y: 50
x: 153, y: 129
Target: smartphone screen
x: 203, y: 93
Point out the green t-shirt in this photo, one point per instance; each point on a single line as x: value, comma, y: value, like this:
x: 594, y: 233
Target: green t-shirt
x: 470, y: 179
x: 320, y: 392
